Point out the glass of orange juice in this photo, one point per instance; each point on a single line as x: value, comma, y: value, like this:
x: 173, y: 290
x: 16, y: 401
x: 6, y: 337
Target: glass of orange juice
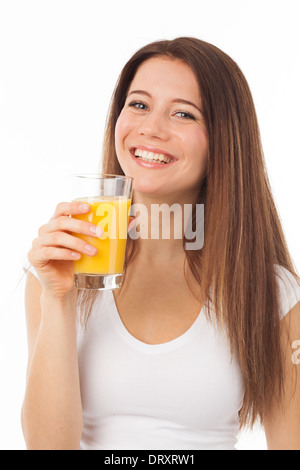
x: 110, y: 198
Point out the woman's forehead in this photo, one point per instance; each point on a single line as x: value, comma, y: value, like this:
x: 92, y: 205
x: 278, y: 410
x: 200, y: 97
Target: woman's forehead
x: 166, y: 74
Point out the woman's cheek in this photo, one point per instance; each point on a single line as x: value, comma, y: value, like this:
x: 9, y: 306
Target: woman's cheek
x: 122, y: 130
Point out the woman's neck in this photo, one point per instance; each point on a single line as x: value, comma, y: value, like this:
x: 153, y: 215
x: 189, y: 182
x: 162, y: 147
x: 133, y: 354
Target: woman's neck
x: 159, y: 227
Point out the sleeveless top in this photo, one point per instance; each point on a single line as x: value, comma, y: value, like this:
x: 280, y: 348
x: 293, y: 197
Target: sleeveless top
x: 183, y: 394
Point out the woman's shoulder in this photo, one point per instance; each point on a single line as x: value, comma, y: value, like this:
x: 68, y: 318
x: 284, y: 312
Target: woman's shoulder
x: 288, y: 289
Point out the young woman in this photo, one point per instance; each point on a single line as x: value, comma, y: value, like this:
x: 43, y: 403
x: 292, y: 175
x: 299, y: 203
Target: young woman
x: 197, y: 343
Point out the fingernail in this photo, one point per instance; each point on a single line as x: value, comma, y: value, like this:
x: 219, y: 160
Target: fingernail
x: 84, y: 207
x: 99, y: 232
x: 96, y: 230
x: 91, y: 249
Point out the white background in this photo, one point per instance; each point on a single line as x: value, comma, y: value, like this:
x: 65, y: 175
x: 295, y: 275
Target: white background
x: 59, y: 61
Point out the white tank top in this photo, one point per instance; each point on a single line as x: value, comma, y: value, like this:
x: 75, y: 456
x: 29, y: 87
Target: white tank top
x: 183, y: 394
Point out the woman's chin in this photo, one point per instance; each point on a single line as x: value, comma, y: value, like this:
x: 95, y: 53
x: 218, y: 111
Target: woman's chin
x: 147, y: 188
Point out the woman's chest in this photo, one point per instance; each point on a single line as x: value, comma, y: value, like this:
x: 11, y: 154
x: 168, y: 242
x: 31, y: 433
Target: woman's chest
x: 157, y: 308
x: 191, y: 381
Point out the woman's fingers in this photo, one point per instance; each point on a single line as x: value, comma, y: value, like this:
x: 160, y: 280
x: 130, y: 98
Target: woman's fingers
x: 71, y: 208
x: 69, y: 224
x: 42, y: 256
x: 64, y: 240
x: 58, y: 246
x: 61, y: 221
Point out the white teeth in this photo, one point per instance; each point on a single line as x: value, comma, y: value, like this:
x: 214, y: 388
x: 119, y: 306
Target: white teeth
x: 150, y: 156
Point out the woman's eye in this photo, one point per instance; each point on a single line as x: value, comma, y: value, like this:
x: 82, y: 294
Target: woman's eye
x: 138, y: 105
x: 184, y: 115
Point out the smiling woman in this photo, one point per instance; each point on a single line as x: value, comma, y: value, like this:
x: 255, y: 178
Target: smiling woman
x: 196, y: 343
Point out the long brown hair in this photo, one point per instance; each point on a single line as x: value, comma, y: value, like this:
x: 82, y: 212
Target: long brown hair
x: 244, y: 239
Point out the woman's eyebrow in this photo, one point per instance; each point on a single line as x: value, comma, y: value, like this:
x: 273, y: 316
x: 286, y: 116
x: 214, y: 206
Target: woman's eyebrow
x: 180, y: 100
x: 140, y: 92
x: 177, y: 100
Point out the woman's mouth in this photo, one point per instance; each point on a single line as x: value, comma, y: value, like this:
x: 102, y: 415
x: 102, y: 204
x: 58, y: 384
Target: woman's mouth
x: 151, y: 159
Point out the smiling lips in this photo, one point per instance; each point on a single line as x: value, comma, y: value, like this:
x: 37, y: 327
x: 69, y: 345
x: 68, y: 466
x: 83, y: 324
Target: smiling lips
x: 156, y: 159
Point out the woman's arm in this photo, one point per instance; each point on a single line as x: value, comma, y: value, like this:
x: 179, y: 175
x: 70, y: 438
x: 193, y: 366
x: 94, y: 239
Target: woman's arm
x: 51, y: 413
x: 282, y: 425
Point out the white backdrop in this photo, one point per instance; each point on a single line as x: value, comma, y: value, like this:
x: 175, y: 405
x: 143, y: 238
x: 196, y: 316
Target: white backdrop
x: 59, y: 61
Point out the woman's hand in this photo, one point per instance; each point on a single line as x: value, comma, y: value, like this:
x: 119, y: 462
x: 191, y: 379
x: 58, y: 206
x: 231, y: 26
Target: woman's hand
x: 53, y: 252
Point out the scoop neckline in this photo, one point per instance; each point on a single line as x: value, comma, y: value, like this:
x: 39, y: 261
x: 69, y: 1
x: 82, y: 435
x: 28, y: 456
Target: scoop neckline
x: 153, y: 348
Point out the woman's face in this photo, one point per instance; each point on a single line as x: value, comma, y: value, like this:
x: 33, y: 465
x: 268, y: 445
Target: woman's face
x: 161, y: 139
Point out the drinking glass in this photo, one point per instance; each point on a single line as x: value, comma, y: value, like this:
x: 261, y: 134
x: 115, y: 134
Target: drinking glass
x: 110, y: 198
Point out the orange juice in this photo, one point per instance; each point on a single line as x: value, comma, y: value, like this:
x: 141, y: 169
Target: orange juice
x: 112, y: 215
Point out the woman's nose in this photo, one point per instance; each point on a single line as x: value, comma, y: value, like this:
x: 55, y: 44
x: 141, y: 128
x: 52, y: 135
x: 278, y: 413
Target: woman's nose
x: 154, y: 126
